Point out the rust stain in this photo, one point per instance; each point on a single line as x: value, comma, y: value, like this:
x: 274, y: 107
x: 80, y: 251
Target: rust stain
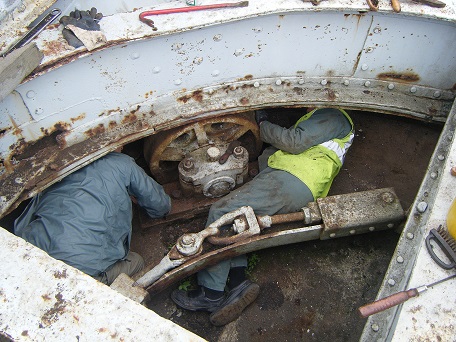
x: 80, y: 117
x: 46, y: 297
x: 299, y: 91
x: 244, y: 101
x: 129, y: 118
x: 102, y: 330
x: 60, y: 275
x: 53, y: 47
x: 330, y: 73
x: 95, y: 131
x: 112, y: 124
x: 146, y: 95
x: 62, y: 126
x: 454, y: 87
x: 331, y: 94
x: 197, y: 95
x: 24, y: 333
x: 399, y: 76
x: 52, y: 315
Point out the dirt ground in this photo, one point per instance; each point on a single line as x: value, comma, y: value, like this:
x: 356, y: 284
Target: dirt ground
x: 310, y: 291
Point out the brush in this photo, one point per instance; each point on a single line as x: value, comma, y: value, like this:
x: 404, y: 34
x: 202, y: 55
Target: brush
x: 447, y: 245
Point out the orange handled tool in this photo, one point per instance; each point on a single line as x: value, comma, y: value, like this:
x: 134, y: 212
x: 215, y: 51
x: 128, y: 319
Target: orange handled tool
x: 395, y: 299
x: 149, y: 22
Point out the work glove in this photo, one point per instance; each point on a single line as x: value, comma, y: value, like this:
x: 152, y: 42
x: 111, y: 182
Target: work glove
x: 260, y: 116
x: 82, y: 28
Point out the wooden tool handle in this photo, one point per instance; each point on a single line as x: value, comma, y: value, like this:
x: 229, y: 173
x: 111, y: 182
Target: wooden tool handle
x: 396, y: 5
x: 387, y: 302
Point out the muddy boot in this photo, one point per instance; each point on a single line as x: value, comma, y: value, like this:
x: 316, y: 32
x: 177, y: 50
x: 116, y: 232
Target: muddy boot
x: 196, y: 300
x: 236, y: 301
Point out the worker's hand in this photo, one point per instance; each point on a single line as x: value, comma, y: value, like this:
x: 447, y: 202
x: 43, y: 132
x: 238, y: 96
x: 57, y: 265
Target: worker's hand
x: 260, y: 116
x: 86, y: 20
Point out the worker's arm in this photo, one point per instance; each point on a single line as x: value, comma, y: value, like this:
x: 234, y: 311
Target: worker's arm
x: 325, y: 124
x: 150, y: 195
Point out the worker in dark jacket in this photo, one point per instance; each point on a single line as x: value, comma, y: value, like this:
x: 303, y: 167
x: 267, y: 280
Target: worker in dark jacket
x: 296, y: 169
x: 85, y: 220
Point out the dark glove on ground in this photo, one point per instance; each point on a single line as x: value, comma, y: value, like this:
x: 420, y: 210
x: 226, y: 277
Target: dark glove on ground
x: 86, y: 20
x: 260, y: 116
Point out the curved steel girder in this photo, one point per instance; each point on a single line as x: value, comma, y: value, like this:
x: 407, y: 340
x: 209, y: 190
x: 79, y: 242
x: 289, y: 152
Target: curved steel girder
x: 62, y: 119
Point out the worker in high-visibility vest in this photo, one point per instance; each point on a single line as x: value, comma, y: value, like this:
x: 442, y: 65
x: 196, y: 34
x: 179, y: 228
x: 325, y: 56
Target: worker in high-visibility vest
x: 296, y: 169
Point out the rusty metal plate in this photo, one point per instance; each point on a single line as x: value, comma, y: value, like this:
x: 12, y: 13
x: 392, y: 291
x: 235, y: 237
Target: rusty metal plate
x: 360, y: 212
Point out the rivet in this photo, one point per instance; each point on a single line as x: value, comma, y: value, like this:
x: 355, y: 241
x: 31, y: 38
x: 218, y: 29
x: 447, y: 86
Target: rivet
x: 332, y: 235
x: 387, y: 197
x: 352, y: 231
x: 324, y: 82
x: 278, y: 82
x: 217, y: 37
x: 156, y: 70
x: 437, y: 93
x: 346, y: 82
x: 301, y: 81
x: 377, y: 29
x: 134, y: 55
x: 421, y: 207
x: 400, y: 259
x: 215, y: 73
x: 19, y: 180
x: 198, y: 60
x: 256, y: 84
x: 390, y: 225
x: 391, y: 86
x: 31, y: 94
x: 410, y: 236
x: 433, y: 175
x: 364, y: 67
x: 367, y: 83
x: 375, y: 327
x: 238, y: 52
x: 3, y: 198
x: 413, y: 89
x: 178, y: 81
x: 441, y: 157
x: 371, y: 229
x: 391, y: 282
x: 453, y: 171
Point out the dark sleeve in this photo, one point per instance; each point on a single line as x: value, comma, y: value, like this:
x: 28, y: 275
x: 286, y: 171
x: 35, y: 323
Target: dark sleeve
x: 325, y: 124
x: 150, y: 195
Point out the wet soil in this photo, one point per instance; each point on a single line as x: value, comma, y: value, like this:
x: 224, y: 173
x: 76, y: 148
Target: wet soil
x: 311, y: 291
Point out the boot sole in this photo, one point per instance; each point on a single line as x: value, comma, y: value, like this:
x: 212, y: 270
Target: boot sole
x: 230, y: 312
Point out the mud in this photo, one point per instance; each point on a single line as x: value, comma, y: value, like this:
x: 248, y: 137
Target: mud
x: 310, y: 291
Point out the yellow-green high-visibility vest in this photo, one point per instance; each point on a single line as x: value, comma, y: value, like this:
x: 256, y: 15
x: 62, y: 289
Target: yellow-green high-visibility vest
x: 317, y: 166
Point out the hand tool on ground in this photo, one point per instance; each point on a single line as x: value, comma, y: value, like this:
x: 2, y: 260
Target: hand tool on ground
x: 432, y: 3
x: 327, y: 218
x: 445, y: 243
x: 150, y: 22
x: 32, y: 33
x: 396, y: 299
x: 229, y: 151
